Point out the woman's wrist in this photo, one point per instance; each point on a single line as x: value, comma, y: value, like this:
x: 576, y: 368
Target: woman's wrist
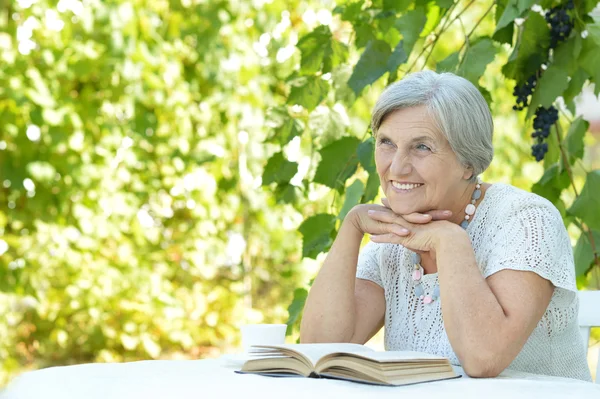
x: 449, y: 234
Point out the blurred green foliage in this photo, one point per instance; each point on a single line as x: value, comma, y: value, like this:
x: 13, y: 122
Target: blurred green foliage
x: 170, y: 167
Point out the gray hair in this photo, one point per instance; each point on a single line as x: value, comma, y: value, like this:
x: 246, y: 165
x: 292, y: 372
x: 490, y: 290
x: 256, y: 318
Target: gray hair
x: 457, y: 108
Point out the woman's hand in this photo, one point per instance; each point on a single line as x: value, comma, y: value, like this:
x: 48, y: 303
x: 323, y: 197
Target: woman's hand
x: 403, y: 230
x: 363, y: 222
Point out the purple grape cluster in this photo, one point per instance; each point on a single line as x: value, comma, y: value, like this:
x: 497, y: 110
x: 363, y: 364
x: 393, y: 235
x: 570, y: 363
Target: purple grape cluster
x: 560, y: 22
x: 522, y: 92
x: 542, y: 123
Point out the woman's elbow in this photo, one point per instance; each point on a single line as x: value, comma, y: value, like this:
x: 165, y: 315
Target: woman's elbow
x: 478, y: 367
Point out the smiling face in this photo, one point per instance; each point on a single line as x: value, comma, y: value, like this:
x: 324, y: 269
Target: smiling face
x: 417, y: 168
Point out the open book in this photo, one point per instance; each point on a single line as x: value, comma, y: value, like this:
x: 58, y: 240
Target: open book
x: 351, y: 362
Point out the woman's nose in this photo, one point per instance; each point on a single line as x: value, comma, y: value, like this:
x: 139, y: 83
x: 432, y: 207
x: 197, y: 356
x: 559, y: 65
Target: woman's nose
x: 401, y: 165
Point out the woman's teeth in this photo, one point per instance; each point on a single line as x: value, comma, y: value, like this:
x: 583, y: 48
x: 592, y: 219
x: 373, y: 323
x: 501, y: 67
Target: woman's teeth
x: 405, y: 186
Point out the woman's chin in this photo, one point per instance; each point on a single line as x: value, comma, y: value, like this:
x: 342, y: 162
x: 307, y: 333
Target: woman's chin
x: 403, y: 209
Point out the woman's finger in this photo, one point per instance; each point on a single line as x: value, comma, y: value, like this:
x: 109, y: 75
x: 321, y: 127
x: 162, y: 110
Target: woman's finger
x: 385, y: 216
x: 417, y: 218
x: 440, y: 215
x: 435, y: 214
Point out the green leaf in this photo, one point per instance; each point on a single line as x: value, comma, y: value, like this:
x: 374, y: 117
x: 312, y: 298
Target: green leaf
x: 320, y: 51
x: 505, y: 34
x: 552, y: 183
x: 566, y: 54
x: 397, y: 58
x: 337, y: 55
x: 531, y: 50
x: 314, y: 48
x: 444, y: 3
x: 583, y: 252
x: 576, y: 83
x: 513, y: 10
x: 338, y: 162
x: 286, y: 193
x: 553, y: 154
x: 372, y: 188
x: 587, y: 204
x: 434, y: 17
x: 476, y: 59
x: 589, y: 59
x: 279, y: 170
x: 448, y: 64
x: 364, y: 35
x: 410, y: 25
x: 316, y: 234
x: 366, y: 154
x: 575, y: 136
x: 296, y: 307
x: 291, y: 128
x: 373, y: 63
x: 352, y: 10
x: 396, y: 5
x: 353, y: 195
x: 310, y: 94
x: 552, y: 84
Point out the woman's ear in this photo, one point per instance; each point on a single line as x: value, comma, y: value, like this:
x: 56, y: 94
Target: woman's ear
x: 468, y: 172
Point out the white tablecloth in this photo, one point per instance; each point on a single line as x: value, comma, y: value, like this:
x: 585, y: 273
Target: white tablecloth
x: 201, y: 379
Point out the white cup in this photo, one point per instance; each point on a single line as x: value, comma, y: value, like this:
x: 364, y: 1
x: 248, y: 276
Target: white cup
x: 262, y: 334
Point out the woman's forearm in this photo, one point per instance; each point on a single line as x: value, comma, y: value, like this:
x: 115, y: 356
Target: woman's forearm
x: 473, y: 318
x: 329, y: 313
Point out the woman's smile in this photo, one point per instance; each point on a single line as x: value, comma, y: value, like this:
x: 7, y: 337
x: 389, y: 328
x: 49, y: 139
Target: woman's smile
x: 404, y: 188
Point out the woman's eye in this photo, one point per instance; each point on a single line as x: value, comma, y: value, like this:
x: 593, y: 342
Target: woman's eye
x: 385, y: 141
x: 423, y: 147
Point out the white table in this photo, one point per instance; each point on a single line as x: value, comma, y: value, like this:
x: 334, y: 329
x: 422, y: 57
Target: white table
x: 201, y: 379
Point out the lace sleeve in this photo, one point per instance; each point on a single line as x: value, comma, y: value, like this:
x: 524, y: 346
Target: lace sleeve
x: 532, y: 237
x: 368, y: 263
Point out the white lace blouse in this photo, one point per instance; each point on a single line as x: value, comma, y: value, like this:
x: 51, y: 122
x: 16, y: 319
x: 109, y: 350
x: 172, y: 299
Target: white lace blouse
x: 512, y: 229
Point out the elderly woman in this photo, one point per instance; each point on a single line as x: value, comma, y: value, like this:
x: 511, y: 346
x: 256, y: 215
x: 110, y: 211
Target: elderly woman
x: 482, y: 274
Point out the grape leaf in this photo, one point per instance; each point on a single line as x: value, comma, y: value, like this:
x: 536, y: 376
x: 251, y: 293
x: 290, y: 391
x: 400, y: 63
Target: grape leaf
x: 338, y: 162
x: 314, y: 47
x: 552, y: 183
x: 589, y: 58
x: 373, y: 63
x: 514, y: 9
x: 286, y: 193
x: 583, y: 252
x: 316, y: 234
x: 476, y: 59
x: 366, y: 154
x: 310, y: 94
x: 448, y: 64
x: 291, y: 128
x: 320, y: 51
x: 410, y: 25
x: 372, y: 188
x: 531, y: 50
x: 505, y: 34
x: 278, y: 170
x: 587, y: 204
x: 397, y: 58
x: 396, y: 5
x: 444, y: 3
x: 574, y: 139
x: 576, y: 83
x: 552, y: 84
x: 296, y: 307
x: 353, y: 195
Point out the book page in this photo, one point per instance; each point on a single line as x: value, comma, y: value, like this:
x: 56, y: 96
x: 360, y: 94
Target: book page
x: 313, y: 352
x: 400, y: 356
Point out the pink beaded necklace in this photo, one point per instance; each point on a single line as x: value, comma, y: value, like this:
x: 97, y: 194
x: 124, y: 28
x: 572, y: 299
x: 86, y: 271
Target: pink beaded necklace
x: 418, y: 271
